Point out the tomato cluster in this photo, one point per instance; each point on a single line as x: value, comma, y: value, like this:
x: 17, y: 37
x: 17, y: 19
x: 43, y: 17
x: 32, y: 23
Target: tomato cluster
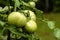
x: 20, y: 20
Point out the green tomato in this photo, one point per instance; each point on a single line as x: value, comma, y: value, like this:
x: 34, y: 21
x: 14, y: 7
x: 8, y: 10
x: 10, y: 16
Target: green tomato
x: 17, y: 19
x: 32, y: 4
x: 31, y: 26
x: 32, y: 15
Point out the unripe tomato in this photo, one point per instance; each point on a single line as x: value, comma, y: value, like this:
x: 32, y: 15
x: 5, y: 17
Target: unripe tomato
x: 31, y: 14
x: 32, y: 4
x: 31, y: 26
x: 17, y: 19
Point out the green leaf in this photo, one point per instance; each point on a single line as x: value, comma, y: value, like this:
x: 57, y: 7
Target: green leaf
x: 57, y: 33
x: 12, y: 28
x: 17, y: 3
x: 12, y: 35
x: 1, y: 32
x: 39, y: 14
x: 7, y: 3
x: 24, y: 3
x: 5, y: 9
x: 14, y: 31
x: 3, y: 38
x: 51, y: 24
x: 2, y: 24
x: 1, y: 8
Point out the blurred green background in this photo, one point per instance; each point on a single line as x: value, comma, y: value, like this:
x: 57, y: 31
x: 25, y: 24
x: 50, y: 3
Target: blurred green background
x: 51, y: 12
x: 44, y: 32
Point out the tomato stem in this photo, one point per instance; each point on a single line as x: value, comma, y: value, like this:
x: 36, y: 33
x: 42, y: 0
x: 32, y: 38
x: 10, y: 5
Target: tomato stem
x: 15, y: 7
x: 8, y: 4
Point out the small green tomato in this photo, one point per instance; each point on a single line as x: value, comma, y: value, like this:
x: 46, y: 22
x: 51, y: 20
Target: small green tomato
x: 31, y: 26
x: 31, y: 14
x: 32, y: 4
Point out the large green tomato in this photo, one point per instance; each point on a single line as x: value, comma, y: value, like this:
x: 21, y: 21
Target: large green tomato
x: 32, y: 4
x: 17, y: 19
x: 31, y: 26
x: 31, y: 14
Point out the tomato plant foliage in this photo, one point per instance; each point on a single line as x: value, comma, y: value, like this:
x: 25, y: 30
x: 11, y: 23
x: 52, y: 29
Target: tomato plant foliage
x: 15, y: 16
x: 13, y: 20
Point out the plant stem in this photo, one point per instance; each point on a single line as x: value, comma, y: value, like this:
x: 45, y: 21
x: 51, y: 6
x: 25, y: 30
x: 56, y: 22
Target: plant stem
x: 9, y: 6
x: 8, y: 35
x: 15, y: 7
x: 9, y: 9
